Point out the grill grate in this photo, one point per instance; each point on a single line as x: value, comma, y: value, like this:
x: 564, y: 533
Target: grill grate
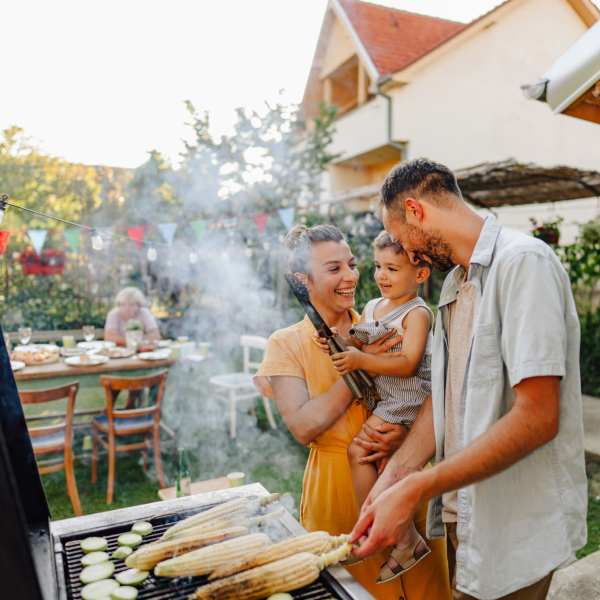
x: 159, y: 588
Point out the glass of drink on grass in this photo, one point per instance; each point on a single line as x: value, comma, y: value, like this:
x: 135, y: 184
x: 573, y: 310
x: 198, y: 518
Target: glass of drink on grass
x: 24, y: 335
x: 89, y: 333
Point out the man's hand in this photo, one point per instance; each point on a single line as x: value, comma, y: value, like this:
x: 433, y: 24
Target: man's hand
x: 388, y: 517
x: 381, y: 441
x: 345, y: 362
x: 390, y: 476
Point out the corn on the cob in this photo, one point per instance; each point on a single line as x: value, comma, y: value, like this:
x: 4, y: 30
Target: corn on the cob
x: 284, y: 575
x: 238, y: 505
x: 316, y: 542
x: 151, y: 554
x: 205, y: 560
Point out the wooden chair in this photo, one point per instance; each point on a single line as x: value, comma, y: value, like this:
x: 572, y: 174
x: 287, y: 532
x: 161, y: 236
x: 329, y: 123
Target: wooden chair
x: 133, y: 420
x: 239, y: 386
x: 51, y: 439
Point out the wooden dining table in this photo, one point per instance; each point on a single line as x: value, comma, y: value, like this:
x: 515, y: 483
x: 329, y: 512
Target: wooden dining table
x: 114, y: 365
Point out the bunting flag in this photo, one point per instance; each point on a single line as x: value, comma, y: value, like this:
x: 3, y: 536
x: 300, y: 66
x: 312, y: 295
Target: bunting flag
x: 167, y: 230
x: 199, y: 228
x: 37, y: 237
x: 261, y: 220
x: 287, y: 216
x: 4, y: 235
x: 73, y: 238
x: 136, y: 233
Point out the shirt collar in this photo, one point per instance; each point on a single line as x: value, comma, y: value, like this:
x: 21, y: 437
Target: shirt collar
x: 482, y: 255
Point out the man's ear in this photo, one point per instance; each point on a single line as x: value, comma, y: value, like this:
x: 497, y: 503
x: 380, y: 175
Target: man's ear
x: 414, y: 208
x: 302, y: 278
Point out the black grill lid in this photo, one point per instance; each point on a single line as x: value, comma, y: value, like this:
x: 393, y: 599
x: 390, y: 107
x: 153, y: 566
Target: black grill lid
x: 26, y: 563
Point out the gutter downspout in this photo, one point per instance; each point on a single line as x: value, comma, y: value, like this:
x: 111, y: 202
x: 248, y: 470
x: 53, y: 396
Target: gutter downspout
x: 402, y: 146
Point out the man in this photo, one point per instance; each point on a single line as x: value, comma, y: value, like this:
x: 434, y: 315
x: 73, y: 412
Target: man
x: 505, y: 418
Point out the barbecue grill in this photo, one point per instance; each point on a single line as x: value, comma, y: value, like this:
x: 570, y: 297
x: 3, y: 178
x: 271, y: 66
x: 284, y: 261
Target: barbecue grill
x: 40, y: 559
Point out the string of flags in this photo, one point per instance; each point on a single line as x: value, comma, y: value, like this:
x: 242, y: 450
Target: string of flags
x: 101, y: 237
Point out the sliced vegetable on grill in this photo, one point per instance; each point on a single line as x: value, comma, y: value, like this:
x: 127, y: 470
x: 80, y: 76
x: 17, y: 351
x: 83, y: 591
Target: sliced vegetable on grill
x: 129, y: 539
x: 94, y: 558
x: 125, y: 592
x: 284, y: 575
x: 151, y: 554
x: 99, y: 590
x: 205, y: 560
x: 132, y: 577
x: 97, y: 572
x: 316, y: 542
x: 94, y: 544
x: 122, y: 552
x: 142, y: 528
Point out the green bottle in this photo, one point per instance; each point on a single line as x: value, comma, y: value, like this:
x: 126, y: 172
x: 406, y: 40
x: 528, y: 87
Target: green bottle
x: 183, y: 487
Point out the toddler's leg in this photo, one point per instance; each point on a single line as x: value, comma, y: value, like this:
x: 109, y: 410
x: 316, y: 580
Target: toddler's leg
x: 364, y: 476
x: 407, y: 553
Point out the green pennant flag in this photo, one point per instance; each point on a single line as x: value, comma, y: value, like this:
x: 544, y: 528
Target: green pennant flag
x: 199, y: 228
x: 73, y: 238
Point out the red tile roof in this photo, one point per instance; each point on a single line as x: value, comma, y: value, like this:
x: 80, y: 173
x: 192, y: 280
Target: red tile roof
x: 395, y: 38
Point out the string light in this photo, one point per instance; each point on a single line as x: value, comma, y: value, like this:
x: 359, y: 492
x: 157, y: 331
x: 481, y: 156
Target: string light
x: 152, y: 254
x: 3, y: 200
x: 193, y: 258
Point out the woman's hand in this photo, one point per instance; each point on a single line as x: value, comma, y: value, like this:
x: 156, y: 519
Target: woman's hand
x: 347, y: 361
x: 383, y: 344
x: 322, y: 342
x: 381, y: 441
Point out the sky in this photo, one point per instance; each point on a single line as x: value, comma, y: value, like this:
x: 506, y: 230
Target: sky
x: 104, y: 82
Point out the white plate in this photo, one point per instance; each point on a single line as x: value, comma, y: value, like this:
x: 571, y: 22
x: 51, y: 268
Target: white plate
x: 96, y: 345
x: 37, y: 347
x: 92, y: 360
x: 157, y: 355
x: 17, y: 365
x: 164, y: 343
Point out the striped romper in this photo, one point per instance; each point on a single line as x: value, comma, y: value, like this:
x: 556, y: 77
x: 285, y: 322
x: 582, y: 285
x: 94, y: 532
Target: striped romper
x: 400, y: 397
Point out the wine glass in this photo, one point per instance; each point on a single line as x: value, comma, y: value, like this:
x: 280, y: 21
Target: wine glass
x: 89, y: 333
x: 24, y: 335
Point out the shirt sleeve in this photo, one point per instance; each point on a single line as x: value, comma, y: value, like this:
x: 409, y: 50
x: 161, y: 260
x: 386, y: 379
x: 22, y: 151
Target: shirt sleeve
x: 112, y: 320
x: 148, y: 320
x: 534, y: 336
x: 280, y: 359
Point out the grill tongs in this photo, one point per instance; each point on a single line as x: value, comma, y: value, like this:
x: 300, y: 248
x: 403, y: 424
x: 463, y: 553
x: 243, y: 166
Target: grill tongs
x: 358, y: 381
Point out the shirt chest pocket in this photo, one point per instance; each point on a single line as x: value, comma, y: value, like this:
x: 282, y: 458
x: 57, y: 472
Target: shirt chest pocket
x: 486, y: 354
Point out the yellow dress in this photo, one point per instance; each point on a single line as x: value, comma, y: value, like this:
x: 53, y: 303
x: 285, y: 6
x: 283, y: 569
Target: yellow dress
x: 328, y: 501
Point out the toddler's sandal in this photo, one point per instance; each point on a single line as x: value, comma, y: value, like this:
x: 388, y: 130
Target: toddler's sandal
x: 403, y: 559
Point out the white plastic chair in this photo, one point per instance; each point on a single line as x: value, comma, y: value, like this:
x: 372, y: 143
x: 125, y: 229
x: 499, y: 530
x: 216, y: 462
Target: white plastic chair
x: 239, y: 386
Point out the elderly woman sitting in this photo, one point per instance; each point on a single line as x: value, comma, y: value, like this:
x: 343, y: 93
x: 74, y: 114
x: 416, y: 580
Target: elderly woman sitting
x: 130, y: 305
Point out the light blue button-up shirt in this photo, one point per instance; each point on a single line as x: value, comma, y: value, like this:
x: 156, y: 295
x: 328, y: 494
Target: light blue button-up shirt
x: 517, y: 526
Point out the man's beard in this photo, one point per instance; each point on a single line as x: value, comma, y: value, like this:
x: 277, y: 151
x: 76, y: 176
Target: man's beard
x: 434, y: 250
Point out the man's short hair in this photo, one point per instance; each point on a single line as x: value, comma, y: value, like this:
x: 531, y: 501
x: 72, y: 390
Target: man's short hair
x: 418, y: 177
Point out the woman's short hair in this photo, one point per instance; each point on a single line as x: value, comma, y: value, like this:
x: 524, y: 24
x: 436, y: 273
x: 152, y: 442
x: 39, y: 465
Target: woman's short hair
x: 300, y: 239
x: 385, y: 240
x: 130, y: 295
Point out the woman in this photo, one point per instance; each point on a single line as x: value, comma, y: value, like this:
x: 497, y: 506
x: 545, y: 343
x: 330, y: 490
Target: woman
x: 319, y: 410
x: 130, y: 305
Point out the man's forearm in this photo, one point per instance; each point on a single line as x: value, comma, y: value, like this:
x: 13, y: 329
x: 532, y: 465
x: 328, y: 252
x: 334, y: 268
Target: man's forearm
x: 510, y: 439
x: 418, y: 447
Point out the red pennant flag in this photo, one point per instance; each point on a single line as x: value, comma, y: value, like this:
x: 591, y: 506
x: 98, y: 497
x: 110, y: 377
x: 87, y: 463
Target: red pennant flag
x: 136, y: 234
x: 4, y: 235
x: 261, y: 221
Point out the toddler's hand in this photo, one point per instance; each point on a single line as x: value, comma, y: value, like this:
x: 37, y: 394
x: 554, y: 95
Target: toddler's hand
x: 348, y: 361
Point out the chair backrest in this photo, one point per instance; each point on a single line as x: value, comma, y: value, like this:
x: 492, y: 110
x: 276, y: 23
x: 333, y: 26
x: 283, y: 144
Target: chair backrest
x: 69, y: 392
x: 135, y: 386
x: 249, y: 343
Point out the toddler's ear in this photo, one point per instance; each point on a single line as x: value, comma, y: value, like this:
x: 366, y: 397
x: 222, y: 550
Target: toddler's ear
x: 423, y: 274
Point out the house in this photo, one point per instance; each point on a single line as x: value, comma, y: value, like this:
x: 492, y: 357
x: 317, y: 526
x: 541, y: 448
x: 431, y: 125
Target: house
x: 409, y: 85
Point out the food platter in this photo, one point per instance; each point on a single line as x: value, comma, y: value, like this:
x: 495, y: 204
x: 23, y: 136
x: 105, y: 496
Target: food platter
x: 96, y: 345
x: 156, y: 355
x: 86, y: 360
x: 36, y: 354
x: 17, y: 365
x: 116, y: 352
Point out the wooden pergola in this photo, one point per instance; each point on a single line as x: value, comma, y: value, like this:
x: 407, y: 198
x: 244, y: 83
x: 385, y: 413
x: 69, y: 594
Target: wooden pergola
x: 505, y: 183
